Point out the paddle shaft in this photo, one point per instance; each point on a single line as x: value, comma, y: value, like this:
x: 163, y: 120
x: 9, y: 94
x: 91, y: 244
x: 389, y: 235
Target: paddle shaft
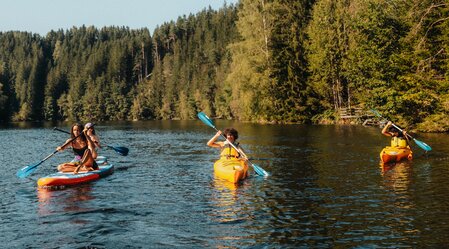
x: 395, y: 126
x: 57, y: 129
x: 54, y: 152
x: 65, y: 144
x: 120, y: 150
x: 73, y: 139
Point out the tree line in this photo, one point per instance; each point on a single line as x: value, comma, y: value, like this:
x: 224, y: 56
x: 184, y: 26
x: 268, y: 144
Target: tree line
x: 262, y: 61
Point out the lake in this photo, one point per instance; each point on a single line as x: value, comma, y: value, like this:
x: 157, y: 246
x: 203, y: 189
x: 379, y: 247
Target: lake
x: 326, y: 189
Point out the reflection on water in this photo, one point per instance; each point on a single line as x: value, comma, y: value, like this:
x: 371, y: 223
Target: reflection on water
x: 65, y: 200
x: 397, y: 178
x: 225, y: 198
x: 397, y: 175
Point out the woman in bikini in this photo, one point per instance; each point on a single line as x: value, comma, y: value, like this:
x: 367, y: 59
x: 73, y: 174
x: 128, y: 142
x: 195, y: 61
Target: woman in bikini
x: 83, y: 147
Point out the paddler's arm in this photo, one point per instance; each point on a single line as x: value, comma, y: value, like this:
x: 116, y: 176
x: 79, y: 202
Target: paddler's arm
x: 97, y: 142
x: 90, y: 144
x: 212, y: 142
x: 61, y: 148
x: 385, y: 129
x: 94, y: 138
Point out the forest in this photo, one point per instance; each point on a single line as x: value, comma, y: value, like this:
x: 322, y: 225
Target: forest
x: 267, y: 61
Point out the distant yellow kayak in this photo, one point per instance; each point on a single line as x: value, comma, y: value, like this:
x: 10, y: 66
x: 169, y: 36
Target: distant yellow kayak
x: 395, y: 154
x: 231, y: 169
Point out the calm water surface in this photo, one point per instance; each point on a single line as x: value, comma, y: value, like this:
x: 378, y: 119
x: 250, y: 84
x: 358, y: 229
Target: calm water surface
x: 326, y: 190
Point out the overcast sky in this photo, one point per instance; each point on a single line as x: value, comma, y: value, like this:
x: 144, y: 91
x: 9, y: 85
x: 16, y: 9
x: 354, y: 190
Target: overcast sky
x: 41, y: 16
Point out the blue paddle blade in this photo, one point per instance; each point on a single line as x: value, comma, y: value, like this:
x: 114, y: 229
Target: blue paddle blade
x: 376, y: 113
x: 26, y: 171
x: 123, y: 151
x: 259, y: 170
x: 203, y: 117
x: 423, y: 145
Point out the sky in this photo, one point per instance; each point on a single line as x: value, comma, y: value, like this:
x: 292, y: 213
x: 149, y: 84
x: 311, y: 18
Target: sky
x: 42, y: 16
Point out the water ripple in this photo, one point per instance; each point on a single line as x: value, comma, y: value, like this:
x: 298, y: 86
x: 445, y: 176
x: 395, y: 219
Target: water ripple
x: 326, y: 189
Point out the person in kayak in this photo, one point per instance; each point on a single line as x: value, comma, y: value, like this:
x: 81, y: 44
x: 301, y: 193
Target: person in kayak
x: 82, y: 147
x: 226, y: 149
x: 398, y: 139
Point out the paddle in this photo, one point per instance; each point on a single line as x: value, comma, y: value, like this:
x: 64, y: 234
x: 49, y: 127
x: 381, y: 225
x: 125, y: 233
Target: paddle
x: 421, y: 144
x: 123, y: 151
x: 203, y: 117
x: 27, y: 170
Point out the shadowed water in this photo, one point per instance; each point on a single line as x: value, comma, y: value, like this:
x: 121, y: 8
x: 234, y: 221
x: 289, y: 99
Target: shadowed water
x: 326, y: 189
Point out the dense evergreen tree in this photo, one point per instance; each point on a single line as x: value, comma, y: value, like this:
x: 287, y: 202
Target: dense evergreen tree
x: 190, y: 63
x: 328, y: 51
x: 292, y: 99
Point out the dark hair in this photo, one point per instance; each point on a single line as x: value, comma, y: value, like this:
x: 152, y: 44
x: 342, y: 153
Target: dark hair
x: 81, y: 128
x: 231, y: 131
x: 393, y: 129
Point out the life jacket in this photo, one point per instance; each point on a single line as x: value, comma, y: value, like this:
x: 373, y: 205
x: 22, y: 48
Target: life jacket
x: 398, y: 142
x: 228, y: 151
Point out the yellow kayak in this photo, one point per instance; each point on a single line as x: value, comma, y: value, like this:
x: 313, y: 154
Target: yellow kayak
x: 395, y: 154
x: 231, y: 169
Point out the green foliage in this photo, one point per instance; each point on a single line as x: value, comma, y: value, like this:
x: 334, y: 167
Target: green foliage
x: 3, y: 95
x: 435, y: 123
x: 250, y: 72
x: 293, y: 99
x: 265, y: 61
x: 382, y: 57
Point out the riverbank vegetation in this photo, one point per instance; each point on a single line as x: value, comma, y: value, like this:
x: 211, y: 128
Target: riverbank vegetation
x: 261, y: 61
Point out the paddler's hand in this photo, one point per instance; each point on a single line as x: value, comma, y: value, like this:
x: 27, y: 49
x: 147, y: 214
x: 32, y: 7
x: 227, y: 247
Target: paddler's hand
x: 218, y: 134
x: 59, y: 148
x: 77, y: 169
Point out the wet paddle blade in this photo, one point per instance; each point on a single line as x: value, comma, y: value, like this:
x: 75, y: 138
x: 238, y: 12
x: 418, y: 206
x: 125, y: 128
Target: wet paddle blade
x: 123, y: 151
x: 259, y: 170
x: 423, y: 145
x: 26, y: 171
x: 203, y: 117
x: 376, y: 113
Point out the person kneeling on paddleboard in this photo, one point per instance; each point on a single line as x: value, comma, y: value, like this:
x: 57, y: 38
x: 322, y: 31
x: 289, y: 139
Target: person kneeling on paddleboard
x: 83, y: 147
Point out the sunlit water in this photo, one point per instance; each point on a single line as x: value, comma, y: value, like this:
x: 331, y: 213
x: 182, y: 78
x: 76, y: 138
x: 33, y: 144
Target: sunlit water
x: 326, y: 189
